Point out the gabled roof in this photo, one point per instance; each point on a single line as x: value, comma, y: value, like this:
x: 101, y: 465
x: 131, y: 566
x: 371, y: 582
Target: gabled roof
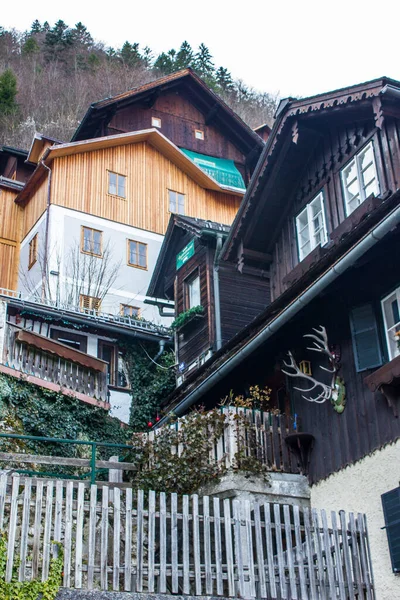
x: 200, y: 95
x: 151, y: 136
x: 39, y: 144
x: 198, y: 227
x: 291, y: 114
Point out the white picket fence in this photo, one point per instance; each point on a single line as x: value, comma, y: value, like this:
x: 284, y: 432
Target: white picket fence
x: 128, y: 540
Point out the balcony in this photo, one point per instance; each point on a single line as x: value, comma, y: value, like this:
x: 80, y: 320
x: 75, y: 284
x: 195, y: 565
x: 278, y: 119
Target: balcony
x: 55, y: 366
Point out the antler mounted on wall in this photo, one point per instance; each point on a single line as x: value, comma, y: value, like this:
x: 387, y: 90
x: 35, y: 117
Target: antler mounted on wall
x: 335, y: 391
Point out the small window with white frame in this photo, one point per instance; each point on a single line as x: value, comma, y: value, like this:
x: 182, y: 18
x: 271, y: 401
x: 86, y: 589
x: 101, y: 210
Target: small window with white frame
x: 199, y: 134
x: 311, y: 226
x: 391, y: 318
x: 359, y: 178
x: 156, y: 122
x: 192, y: 291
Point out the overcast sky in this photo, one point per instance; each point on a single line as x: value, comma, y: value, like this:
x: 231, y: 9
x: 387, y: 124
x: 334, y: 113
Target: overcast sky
x: 291, y: 48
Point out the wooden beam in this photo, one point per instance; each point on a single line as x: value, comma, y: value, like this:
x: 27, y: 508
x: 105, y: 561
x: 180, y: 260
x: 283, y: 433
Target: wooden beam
x: 65, y: 461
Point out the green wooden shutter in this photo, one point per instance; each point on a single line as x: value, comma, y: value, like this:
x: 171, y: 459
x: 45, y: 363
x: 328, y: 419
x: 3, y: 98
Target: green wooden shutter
x: 364, y: 332
x: 391, y: 511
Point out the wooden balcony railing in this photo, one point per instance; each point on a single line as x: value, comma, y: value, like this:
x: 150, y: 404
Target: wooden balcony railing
x: 55, y: 363
x: 249, y: 434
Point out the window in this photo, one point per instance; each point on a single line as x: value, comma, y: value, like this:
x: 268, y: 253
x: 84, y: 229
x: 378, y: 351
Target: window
x: 311, y: 227
x: 176, y: 202
x: 364, y: 333
x: 391, y: 317
x: 91, y: 241
x: 156, y: 122
x: 89, y: 303
x: 137, y: 254
x: 33, y: 251
x: 130, y: 311
x: 192, y: 291
x: 116, y: 184
x: 199, y: 134
x: 74, y: 340
x: 359, y: 179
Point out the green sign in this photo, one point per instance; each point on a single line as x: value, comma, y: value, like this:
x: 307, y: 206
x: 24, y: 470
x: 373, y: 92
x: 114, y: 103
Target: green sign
x: 183, y: 256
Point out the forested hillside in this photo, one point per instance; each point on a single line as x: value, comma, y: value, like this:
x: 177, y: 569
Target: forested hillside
x: 50, y: 75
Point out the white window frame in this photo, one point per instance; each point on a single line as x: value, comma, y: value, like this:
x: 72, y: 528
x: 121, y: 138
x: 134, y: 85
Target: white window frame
x: 307, y: 210
x: 192, y: 288
x: 390, y: 331
x: 360, y: 178
x: 156, y: 122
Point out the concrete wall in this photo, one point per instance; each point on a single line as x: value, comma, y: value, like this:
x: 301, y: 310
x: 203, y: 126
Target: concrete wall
x: 358, y: 488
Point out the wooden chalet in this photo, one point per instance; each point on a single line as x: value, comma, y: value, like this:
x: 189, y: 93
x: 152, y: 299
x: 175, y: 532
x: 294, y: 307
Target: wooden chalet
x: 322, y: 215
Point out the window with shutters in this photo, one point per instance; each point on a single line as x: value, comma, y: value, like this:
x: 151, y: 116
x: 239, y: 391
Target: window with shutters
x: 89, y: 302
x: 391, y: 512
x: 364, y: 332
x: 137, y: 254
x: 391, y: 318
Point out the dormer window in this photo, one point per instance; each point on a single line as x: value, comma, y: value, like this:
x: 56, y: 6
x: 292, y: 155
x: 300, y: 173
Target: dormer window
x: 311, y: 226
x: 359, y: 178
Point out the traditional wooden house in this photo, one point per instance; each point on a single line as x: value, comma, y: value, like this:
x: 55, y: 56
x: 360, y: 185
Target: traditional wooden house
x: 323, y: 209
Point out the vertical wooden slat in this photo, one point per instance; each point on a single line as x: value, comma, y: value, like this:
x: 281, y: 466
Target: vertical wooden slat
x: 338, y: 557
x: 368, y: 573
x: 185, y: 544
x: 37, y: 529
x: 151, y: 538
x: 228, y: 548
x: 3, y: 494
x: 218, y: 546
x: 249, y: 543
x: 25, y: 528
x: 238, y: 545
x: 128, y: 541
x: 58, y: 515
x: 92, y: 536
x: 346, y: 556
x: 174, y: 542
x: 139, y: 542
x: 12, y: 527
x: 328, y: 555
x: 196, y: 543
x: 207, y: 544
x: 318, y: 550
x: 104, y: 540
x: 355, y: 555
x: 68, y: 534
x: 47, y: 530
x: 260, y: 552
x: 299, y: 553
x: 279, y: 550
x: 163, y: 544
x: 310, y: 554
x: 270, y: 550
x: 79, y: 535
x: 116, y: 537
x: 289, y: 552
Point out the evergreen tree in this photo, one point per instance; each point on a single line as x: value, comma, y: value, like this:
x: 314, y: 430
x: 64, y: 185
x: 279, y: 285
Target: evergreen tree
x: 81, y: 36
x: 30, y: 47
x: 147, y: 57
x: 165, y: 63
x: 130, y: 55
x: 36, y: 27
x: 57, y: 40
x: 184, y: 57
x: 46, y: 27
x: 224, y: 80
x: 204, y: 65
x: 8, y: 93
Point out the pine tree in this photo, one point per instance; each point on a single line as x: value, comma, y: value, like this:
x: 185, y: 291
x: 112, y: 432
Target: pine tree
x: 165, y: 63
x: 30, y: 47
x: 224, y: 80
x: 57, y: 40
x: 130, y: 55
x: 204, y: 65
x: 81, y: 36
x: 36, y: 27
x: 184, y: 57
x: 8, y: 93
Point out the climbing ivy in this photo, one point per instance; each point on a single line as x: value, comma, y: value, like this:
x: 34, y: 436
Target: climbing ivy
x: 150, y: 383
x: 34, y: 589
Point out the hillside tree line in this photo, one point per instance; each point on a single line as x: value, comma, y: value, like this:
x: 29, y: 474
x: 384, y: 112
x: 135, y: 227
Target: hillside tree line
x: 50, y: 75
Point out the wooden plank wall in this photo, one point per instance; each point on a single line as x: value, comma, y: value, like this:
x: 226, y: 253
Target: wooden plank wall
x: 34, y: 208
x: 125, y: 540
x: 10, y: 226
x: 336, y: 148
x: 80, y: 182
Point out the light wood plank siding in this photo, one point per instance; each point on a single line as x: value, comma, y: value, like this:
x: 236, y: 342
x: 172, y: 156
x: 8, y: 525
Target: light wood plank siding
x: 10, y: 227
x: 80, y: 182
x: 34, y: 209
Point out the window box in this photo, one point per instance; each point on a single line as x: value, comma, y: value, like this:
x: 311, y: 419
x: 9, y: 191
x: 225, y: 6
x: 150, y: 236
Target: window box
x: 189, y: 316
x: 304, y: 266
x: 387, y: 381
x: 355, y: 218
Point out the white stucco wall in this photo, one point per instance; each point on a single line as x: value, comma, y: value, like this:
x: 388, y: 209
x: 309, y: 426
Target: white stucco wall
x: 358, y: 488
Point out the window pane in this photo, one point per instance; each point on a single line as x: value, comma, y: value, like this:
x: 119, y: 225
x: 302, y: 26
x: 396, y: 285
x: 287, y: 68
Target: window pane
x: 112, y: 183
x: 194, y: 292
x: 142, y: 255
x: 133, y: 253
x: 351, y: 186
x: 121, y: 186
x: 96, y: 242
x: 303, y: 234
x: 172, y: 200
x: 181, y: 204
x: 391, y: 313
x: 86, y: 239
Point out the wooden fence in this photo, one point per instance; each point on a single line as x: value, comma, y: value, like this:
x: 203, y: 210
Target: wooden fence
x: 249, y: 433
x: 127, y: 540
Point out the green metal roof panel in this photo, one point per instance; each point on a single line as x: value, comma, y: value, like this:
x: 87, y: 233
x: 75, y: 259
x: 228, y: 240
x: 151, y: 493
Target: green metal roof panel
x: 222, y: 170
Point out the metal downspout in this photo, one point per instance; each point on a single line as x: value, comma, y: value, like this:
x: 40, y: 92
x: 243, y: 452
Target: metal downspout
x: 217, y: 304
x: 344, y: 263
x: 161, y: 350
x: 45, y: 270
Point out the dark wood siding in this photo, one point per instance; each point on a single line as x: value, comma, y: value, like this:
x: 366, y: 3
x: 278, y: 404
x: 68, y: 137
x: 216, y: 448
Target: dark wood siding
x: 179, y: 120
x: 335, y: 148
x: 242, y: 298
